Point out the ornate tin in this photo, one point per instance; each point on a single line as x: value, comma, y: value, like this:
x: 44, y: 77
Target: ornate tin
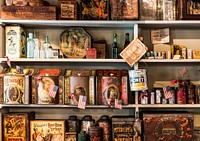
x: 73, y: 124
x: 86, y: 123
x: 74, y: 42
x: 95, y: 133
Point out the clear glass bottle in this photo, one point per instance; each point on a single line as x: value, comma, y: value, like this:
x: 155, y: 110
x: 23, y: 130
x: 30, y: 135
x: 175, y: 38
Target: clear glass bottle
x: 127, y: 40
x: 114, y: 47
x: 37, y: 45
x: 30, y: 46
x: 47, y: 47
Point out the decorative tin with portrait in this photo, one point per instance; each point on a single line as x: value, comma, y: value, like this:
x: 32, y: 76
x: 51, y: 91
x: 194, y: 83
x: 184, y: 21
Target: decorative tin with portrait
x: 188, y: 10
x: 124, y: 9
x: 111, y: 85
x: 16, y: 126
x: 15, y: 42
x: 168, y: 126
x: 47, y: 86
x: 79, y: 82
x: 74, y: 42
x: 47, y: 130
x: 68, y: 9
x: 94, y: 9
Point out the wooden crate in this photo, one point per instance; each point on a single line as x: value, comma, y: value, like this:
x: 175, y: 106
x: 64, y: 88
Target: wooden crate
x: 28, y: 12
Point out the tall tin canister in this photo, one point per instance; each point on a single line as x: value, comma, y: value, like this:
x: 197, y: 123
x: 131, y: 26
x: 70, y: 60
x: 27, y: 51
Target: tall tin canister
x: 95, y: 133
x: 138, y: 80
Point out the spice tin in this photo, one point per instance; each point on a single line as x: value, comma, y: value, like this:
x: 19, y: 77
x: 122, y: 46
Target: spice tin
x: 152, y: 98
x: 181, y: 95
x: 73, y: 124
x: 138, y: 80
x: 191, y: 94
x: 189, y: 54
x: 95, y: 134
x: 158, y: 96
x: 105, y: 123
x: 86, y: 123
x: 197, y: 94
x: 184, y: 53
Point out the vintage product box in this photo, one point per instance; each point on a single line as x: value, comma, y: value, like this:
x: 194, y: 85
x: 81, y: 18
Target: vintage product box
x: 101, y: 48
x: 79, y: 82
x: 15, y: 42
x: 168, y: 126
x: 123, y: 128
x: 124, y: 10
x: 71, y: 136
x: 94, y: 10
x: 188, y: 10
x: 47, y: 86
x: 68, y: 9
x: 111, y: 85
x: 16, y: 126
x: 16, y: 87
x: 47, y: 130
x: 28, y: 12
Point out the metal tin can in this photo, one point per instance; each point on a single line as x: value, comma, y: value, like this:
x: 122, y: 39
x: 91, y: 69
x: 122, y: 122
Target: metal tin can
x: 83, y: 136
x: 189, y: 54
x: 164, y: 101
x: 172, y: 99
x: 152, y: 98
x: 197, y: 94
x: 181, y: 95
x: 168, y: 55
x: 184, y: 53
x: 163, y: 54
x: 86, y: 123
x: 158, y: 96
x: 73, y: 124
x: 191, y: 94
x: 95, y: 134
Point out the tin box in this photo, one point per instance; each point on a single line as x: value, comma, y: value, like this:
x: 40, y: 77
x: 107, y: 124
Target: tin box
x: 15, y: 42
x: 16, y: 126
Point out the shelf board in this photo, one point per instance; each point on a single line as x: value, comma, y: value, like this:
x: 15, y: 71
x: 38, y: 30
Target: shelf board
x: 169, y: 60
x: 168, y: 105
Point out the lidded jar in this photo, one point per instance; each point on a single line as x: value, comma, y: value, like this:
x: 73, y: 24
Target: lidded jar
x: 87, y: 122
x: 73, y: 124
x: 95, y: 133
x: 83, y: 136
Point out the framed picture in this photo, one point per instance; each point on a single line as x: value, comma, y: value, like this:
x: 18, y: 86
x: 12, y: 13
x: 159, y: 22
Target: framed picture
x: 188, y: 10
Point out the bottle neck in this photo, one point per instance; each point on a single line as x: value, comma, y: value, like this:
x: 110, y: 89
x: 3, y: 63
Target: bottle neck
x: 47, y: 39
x: 115, y: 38
x: 127, y: 38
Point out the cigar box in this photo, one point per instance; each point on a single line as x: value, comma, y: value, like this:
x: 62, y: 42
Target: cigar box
x: 47, y: 86
x: 28, y: 12
x: 48, y: 130
x: 124, y: 10
x: 15, y: 42
x: 16, y: 87
x: 168, y: 126
x: 111, y: 85
x: 79, y: 82
x: 16, y: 126
x: 68, y: 10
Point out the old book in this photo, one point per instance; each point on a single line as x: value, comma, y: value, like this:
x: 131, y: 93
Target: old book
x: 168, y: 126
x: 79, y: 82
x: 47, y: 130
x: 111, y: 85
x: 16, y: 126
x: 47, y: 86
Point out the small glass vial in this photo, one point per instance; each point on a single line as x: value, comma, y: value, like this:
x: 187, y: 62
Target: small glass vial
x: 30, y: 46
x: 47, y: 48
x: 37, y: 45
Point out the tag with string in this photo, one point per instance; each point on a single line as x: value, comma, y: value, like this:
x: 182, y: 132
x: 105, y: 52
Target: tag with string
x: 82, y: 101
x: 8, y: 61
x: 167, y: 92
x: 183, y: 71
x: 118, y: 104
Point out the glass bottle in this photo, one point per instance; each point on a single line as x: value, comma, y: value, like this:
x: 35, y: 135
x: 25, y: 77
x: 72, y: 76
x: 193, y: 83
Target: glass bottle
x: 37, y: 45
x: 114, y: 47
x: 127, y: 40
x: 30, y: 46
x: 47, y: 47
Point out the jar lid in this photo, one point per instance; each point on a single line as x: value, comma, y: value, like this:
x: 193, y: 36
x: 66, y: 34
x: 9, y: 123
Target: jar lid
x: 72, y: 117
x: 88, y: 117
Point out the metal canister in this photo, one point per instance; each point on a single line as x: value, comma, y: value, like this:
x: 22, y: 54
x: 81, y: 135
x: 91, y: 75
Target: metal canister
x: 95, y: 133
x: 181, y: 95
x: 158, y: 96
x: 105, y: 123
x: 83, y: 136
x: 164, y: 101
x: 197, y: 94
x: 172, y: 100
x: 184, y: 53
x: 73, y: 124
x: 189, y: 54
x: 86, y: 123
x: 191, y: 94
x: 152, y: 98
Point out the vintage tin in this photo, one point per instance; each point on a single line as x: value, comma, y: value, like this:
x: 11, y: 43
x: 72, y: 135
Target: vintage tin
x: 71, y: 136
x: 105, y: 123
x: 144, y: 98
x: 184, y: 53
x: 16, y: 126
x: 197, y: 94
x: 73, y: 124
x: 168, y: 126
x: 158, y: 93
x: 181, y: 95
x: 68, y: 10
x: 83, y: 136
x: 15, y: 42
x: 148, y: 9
x: 191, y: 94
x: 172, y: 100
x: 124, y: 10
x: 189, y: 54
x: 152, y: 98
x: 96, y: 133
x: 164, y: 101
x: 138, y: 80
x: 47, y: 129
x: 87, y: 122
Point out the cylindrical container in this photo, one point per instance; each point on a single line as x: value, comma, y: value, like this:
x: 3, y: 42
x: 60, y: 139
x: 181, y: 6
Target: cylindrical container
x: 73, y: 124
x: 189, y: 54
x: 168, y: 55
x: 191, y: 94
x: 152, y: 98
x: 197, y: 94
x: 164, y: 101
x: 138, y: 80
x: 181, y: 95
x: 95, y: 133
x: 163, y: 54
x: 83, y: 136
x: 158, y: 96
x: 184, y: 53
x: 172, y: 100
x: 105, y: 123
x: 86, y: 123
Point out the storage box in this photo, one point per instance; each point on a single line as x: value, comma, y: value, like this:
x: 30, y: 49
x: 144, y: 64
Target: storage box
x: 168, y: 126
x: 16, y: 126
x: 15, y: 42
x: 124, y: 10
x: 101, y: 49
x: 47, y: 86
x: 148, y: 10
x: 79, y: 82
x: 111, y: 85
x: 47, y: 129
x: 28, y: 12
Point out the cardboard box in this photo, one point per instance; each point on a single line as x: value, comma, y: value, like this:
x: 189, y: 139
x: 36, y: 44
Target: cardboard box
x: 28, y: 12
